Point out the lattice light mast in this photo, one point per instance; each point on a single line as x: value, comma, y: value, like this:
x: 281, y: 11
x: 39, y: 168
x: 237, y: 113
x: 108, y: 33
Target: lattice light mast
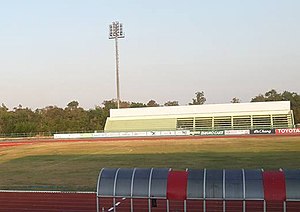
x: 116, y: 32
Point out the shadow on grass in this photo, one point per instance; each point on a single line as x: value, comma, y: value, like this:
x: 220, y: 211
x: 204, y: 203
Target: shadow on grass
x: 79, y: 172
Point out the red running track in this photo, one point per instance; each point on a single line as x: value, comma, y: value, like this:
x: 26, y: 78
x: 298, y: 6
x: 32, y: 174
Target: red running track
x: 25, y: 141
x: 11, y: 144
x: 47, y: 201
x: 12, y: 201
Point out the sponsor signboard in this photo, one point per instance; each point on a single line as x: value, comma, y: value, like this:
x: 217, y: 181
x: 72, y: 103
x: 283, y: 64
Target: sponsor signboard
x: 262, y: 131
x: 237, y: 132
x: 86, y: 135
x: 153, y: 133
x: 112, y: 134
x: 58, y: 136
x: 66, y: 136
x: 292, y: 131
x: 195, y: 133
x: 137, y: 134
x: 99, y: 135
x: 125, y: 134
x: 121, y: 134
x: 212, y: 133
x: 167, y: 133
x: 182, y: 132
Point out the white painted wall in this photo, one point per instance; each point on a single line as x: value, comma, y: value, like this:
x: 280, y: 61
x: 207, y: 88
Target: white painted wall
x: 276, y: 107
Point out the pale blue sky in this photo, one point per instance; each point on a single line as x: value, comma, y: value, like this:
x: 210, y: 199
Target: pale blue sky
x: 56, y: 51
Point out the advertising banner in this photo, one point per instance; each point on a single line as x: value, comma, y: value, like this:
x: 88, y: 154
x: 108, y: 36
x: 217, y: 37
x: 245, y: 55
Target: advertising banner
x: 125, y: 134
x: 293, y: 131
x: 86, y: 135
x: 167, y: 133
x: 212, y: 133
x: 66, y: 136
x: 137, y: 134
x: 183, y: 132
x: 112, y: 134
x: 262, y: 131
x: 153, y: 133
x: 237, y: 132
x: 121, y: 134
x: 99, y: 135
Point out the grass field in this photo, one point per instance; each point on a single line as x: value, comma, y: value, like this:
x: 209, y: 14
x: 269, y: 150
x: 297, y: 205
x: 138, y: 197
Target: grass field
x: 75, y: 165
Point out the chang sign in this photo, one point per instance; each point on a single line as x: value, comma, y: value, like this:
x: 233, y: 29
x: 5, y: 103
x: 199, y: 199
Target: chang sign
x: 262, y: 131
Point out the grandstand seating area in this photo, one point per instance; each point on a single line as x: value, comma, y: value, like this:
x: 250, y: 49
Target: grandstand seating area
x: 240, y: 116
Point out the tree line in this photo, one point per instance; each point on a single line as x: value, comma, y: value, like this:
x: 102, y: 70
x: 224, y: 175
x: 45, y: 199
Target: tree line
x: 74, y: 118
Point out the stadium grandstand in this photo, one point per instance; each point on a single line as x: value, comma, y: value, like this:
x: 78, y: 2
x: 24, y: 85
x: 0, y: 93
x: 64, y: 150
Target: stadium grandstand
x: 233, y: 116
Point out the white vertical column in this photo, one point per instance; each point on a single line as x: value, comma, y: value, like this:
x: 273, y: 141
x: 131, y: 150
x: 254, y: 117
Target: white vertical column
x: 131, y: 190
x: 184, y: 202
x: 114, y: 192
x: 224, y: 203
x: 168, y: 206
x: 244, y: 190
x: 98, y: 183
x: 204, y: 189
x: 149, y: 194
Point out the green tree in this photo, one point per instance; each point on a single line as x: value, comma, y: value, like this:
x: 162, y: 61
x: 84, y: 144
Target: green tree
x: 73, y: 105
x: 259, y: 98
x: 108, y: 104
x: 273, y: 95
x: 235, y: 100
x: 171, y: 103
x: 137, y: 104
x: 76, y: 118
x: 25, y: 121
x: 96, y: 119
x: 4, y: 116
x: 52, y: 119
x: 294, y: 98
x: 124, y: 104
x: 152, y: 103
x: 199, y: 100
x: 3, y: 107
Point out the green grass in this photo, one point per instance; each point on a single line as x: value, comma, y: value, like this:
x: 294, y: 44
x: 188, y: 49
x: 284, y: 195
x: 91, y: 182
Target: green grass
x: 75, y: 166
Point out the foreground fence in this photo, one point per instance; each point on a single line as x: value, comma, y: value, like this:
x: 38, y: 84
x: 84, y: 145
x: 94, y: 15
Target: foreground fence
x: 41, y: 134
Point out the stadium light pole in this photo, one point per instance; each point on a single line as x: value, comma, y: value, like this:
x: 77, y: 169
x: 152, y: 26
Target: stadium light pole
x: 116, y: 32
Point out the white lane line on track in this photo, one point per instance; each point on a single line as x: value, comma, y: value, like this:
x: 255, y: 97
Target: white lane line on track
x: 117, y: 204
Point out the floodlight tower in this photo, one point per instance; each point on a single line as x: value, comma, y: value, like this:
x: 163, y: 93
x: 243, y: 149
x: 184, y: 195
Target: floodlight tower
x: 116, y: 32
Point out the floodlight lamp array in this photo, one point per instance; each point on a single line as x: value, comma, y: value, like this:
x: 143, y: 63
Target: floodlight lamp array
x: 116, y: 30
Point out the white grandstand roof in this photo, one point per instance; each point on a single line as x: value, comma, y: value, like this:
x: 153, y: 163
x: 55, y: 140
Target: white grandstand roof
x: 276, y: 107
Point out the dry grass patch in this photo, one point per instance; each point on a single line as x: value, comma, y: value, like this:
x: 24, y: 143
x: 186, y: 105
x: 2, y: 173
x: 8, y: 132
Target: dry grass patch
x: 75, y: 166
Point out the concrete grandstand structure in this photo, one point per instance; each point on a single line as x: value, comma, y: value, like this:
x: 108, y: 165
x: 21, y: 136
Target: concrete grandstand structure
x: 238, y: 116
